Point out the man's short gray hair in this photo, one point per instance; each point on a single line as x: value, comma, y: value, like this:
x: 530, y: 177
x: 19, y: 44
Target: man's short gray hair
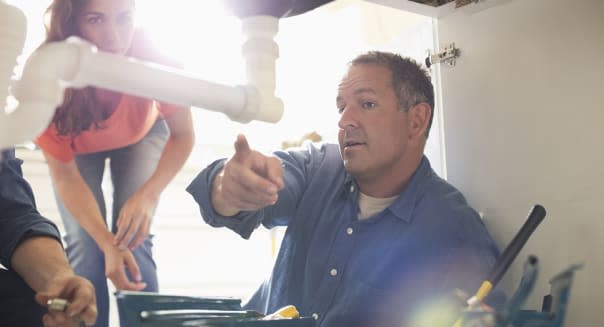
x: 410, y: 81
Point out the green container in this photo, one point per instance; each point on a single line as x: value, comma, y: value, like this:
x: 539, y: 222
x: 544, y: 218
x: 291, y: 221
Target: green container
x: 146, y: 309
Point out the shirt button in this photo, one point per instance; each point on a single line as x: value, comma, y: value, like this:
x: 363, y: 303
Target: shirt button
x: 333, y: 272
x: 315, y: 316
x: 349, y: 230
x: 351, y: 188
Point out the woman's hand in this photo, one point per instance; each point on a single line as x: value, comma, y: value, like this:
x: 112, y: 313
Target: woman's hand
x: 116, y: 263
x: 134, y: 221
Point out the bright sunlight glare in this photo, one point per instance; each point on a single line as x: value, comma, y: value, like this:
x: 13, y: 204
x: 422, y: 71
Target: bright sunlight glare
x: 202, y: 35
x: 206, y: 38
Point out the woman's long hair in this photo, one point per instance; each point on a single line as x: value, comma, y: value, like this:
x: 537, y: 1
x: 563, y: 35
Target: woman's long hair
x: 79, y: 110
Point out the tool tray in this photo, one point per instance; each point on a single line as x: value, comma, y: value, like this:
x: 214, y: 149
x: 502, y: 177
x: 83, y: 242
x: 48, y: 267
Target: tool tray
x: 146, y: 309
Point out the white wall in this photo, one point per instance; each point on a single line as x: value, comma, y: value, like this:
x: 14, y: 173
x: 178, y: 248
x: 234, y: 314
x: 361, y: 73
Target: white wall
x: 523, y: 121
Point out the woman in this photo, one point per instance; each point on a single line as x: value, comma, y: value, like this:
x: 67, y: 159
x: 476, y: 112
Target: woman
x: 144, y: 142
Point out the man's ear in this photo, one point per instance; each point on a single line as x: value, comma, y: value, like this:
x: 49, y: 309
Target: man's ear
x: 419, y: 118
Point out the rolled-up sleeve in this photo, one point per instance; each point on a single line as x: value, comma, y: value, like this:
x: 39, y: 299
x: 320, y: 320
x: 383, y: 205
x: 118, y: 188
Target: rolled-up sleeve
x: 19, y: 218
x: 200, y: 188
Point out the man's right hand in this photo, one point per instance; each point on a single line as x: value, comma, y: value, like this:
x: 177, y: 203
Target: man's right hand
x: 249, y: 181
x: 75, y: 290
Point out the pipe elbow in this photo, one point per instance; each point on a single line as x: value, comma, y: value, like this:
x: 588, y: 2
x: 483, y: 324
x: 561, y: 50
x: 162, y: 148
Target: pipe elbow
x: 260, y: 52
x: 49, y: 69
x: 259, y: 105
x: 40, y: 89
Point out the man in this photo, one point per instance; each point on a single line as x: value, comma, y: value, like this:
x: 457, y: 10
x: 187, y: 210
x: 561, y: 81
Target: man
x: 374, y: 236
x: 38, y: 270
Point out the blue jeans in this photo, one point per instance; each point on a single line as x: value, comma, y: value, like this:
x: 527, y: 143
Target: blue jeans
x: 130, y: 167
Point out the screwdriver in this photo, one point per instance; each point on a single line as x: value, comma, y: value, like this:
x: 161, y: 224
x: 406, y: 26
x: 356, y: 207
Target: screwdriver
x: 502, y: 264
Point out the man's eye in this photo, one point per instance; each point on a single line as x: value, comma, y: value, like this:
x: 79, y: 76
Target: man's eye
x: 94, y: 20
x: 368, y: 105
x: 341, y: 109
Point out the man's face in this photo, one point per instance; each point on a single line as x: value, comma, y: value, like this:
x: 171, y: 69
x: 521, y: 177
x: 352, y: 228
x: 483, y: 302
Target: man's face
x: 373, y: 132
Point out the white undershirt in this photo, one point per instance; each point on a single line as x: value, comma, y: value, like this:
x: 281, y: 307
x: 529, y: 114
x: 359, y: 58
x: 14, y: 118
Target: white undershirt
x: 369, y: 206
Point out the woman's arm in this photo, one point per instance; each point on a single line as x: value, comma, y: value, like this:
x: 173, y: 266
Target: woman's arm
x: 82, y: 205
x: 134, y: 222
x: 78, y: 199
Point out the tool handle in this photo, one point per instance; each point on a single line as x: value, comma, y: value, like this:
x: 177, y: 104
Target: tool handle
x: 535, y: 217
x: 502, y: 264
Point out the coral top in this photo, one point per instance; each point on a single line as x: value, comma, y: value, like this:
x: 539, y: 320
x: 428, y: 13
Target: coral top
x: 128, y: 124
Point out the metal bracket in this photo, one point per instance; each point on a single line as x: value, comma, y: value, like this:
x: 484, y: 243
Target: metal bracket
x: 447, y: 56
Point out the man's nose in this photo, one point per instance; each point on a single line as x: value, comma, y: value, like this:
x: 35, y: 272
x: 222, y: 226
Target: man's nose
x: 347, y: 118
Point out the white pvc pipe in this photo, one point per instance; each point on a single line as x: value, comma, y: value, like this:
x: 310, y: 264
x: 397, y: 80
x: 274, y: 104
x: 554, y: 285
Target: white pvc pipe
x: 77, y: 63
x: 13, y: 26
x: 40, y: 90
x: 12, y: 38
x: 162, y: 83
x: 260, y: 53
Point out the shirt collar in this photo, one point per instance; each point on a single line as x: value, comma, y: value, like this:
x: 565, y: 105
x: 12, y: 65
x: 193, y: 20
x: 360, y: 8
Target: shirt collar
x: 403, y: 207
x: 7, y: 154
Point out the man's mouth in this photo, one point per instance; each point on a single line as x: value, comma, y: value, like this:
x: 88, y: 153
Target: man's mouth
x: 349, y: 144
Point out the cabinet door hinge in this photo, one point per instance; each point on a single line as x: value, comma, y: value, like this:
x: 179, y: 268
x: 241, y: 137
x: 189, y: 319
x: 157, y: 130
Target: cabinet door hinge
x: 447, y: 56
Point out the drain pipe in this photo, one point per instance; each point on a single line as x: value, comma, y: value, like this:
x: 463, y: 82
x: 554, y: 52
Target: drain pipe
x: 13, y: 26
x: 260, y: 53
x: 77, y: 63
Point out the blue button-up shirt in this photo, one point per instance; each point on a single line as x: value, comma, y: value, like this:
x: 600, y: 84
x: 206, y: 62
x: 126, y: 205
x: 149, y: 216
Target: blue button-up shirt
x: 382, y: 271
x: 19, y: 218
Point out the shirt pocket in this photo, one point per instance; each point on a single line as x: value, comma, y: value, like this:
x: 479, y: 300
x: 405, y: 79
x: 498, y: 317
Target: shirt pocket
x: 368, y: 305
